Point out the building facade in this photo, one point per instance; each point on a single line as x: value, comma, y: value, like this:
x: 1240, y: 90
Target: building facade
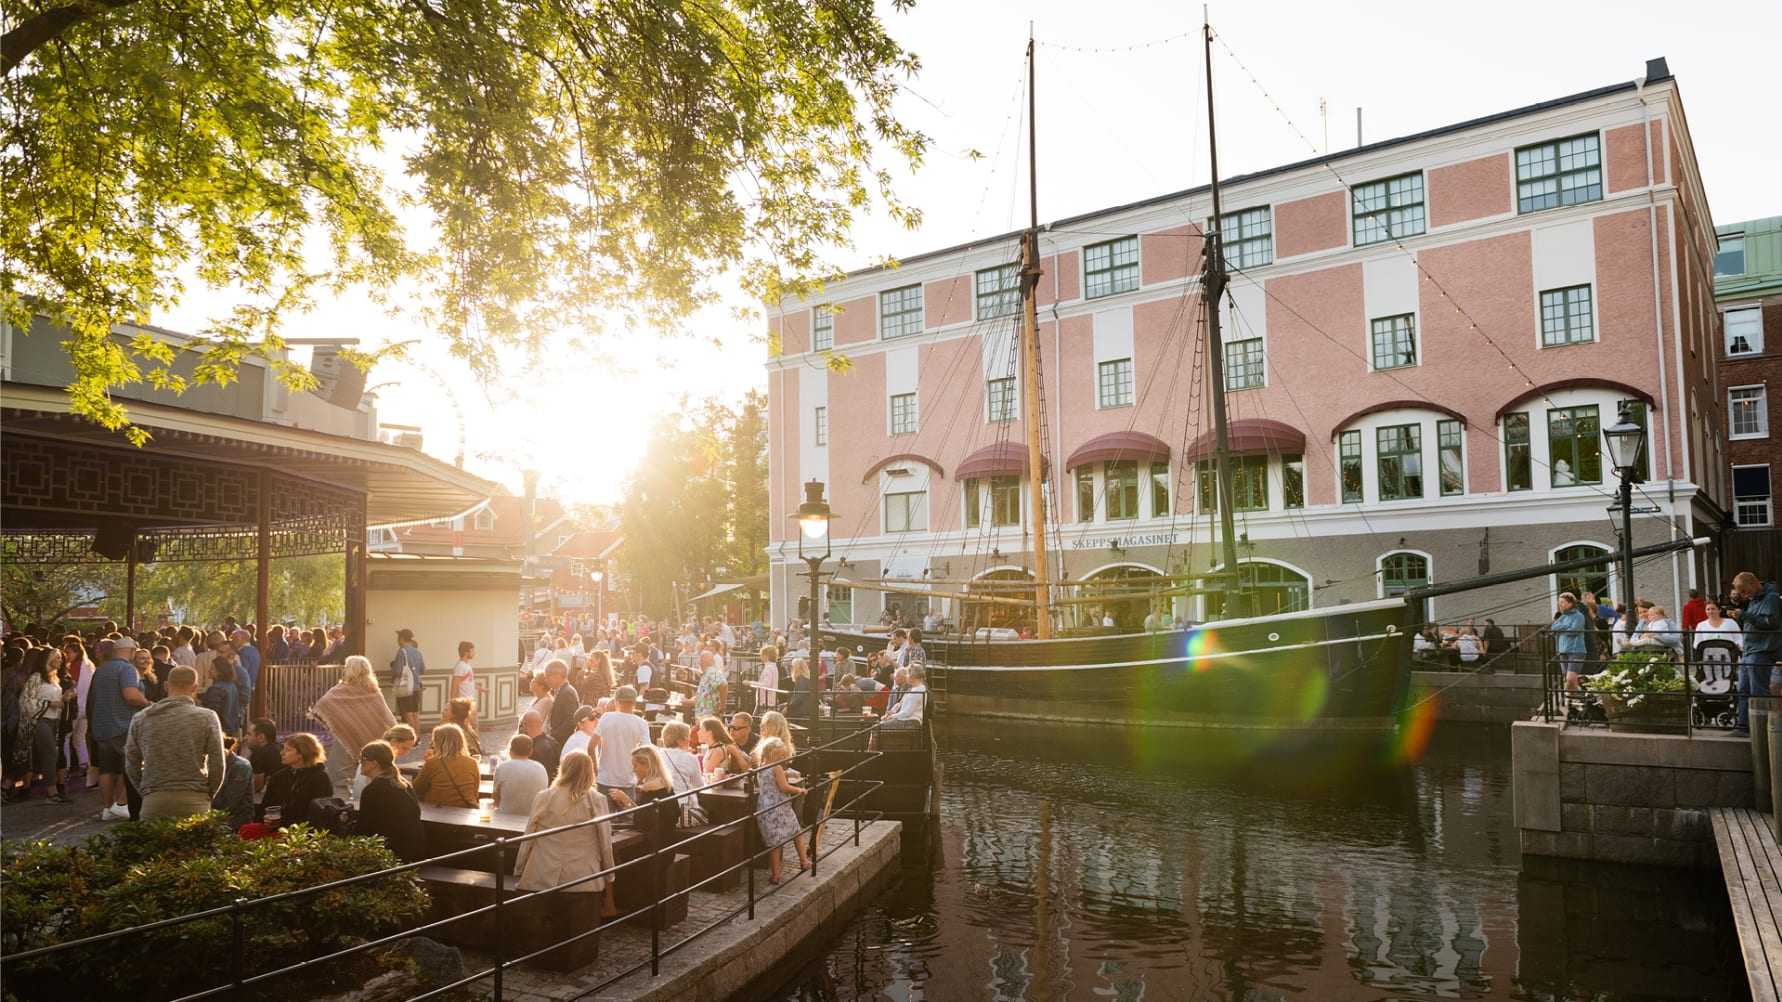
x: 1423, y: 340
x: 1748, y: 293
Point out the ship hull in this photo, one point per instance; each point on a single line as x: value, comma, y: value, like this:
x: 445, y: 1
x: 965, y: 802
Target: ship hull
x: 1342, y: 668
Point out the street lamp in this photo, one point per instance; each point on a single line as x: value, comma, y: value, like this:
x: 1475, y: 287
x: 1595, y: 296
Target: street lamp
x: 597, y: 575
x: 813, y: 548
x: 1626, y: 441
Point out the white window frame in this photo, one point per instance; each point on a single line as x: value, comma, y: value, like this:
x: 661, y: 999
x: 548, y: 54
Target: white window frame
x: 1391, y: 237
x: 910, y: 510
x: 481, y: 516
x: 1614, y: 568
x: 820, y: 425
x: 1138, y: 265
x: 1416, y: 342
x: 918, y: 312
x: 978, y: 294
x: 1014, y: 402
x: 915, y: 413
x: 828, y: 313
x: 1236, y: 218
x: 1380, y: 575
x: 1131, y: 388
x: 1756, y: 343
x: 1763, y: 412
x: 1769, y: 502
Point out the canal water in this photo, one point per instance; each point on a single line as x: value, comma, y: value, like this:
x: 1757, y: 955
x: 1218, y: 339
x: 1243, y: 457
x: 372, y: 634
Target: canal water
x: 1097, y: 864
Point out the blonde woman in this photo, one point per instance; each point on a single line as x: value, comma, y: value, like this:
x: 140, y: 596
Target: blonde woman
x: 774, y: 725
x: 554, y: 860
x: 355, y: 714
x: 450, y: 776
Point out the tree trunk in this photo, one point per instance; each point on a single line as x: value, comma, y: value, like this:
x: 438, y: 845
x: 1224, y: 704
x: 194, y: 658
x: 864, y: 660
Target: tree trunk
x: 38, y: 29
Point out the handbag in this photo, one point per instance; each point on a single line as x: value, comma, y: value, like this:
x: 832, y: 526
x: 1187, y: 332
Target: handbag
x: 331, y: 814
x: 405, y: 676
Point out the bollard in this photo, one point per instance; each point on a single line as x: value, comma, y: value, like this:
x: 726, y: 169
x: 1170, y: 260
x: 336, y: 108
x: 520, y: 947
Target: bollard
x: 1761, y: 715
x: 1771, y: 792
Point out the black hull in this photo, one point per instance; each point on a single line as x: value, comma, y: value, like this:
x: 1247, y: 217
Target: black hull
x: 1343, y: 668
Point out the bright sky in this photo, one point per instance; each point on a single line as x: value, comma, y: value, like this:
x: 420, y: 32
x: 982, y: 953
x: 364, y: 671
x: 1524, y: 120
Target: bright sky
x: 1114, y: 126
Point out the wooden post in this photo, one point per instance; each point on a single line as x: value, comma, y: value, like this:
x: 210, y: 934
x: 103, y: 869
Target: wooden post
x: 130, y: 585
x: 263, y: 589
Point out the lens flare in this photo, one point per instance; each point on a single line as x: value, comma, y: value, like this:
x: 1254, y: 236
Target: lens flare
x: 1415, y: 724
x: 1199, y: 644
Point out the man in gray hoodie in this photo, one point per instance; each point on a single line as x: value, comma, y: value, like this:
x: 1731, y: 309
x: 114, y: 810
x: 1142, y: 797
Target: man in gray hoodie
x: 174, y: 752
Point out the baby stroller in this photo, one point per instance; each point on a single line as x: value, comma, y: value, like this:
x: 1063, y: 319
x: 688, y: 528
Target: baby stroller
x: 1714, y: 678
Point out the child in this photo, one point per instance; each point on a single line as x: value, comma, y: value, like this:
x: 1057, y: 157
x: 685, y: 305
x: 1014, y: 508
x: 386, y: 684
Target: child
x: 779, y: 823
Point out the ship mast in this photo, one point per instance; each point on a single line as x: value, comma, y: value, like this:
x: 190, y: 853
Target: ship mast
x: 1212, y: 291
x: 1030, y: 370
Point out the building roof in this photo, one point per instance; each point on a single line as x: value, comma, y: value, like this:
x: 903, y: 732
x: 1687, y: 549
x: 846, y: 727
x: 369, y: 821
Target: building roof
x: 401, y: 486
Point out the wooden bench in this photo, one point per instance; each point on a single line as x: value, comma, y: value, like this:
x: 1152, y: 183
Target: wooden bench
x: 715, y: 850
x: 1751, y: 862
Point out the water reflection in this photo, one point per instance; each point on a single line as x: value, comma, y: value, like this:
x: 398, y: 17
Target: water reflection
x: 1096, y: 864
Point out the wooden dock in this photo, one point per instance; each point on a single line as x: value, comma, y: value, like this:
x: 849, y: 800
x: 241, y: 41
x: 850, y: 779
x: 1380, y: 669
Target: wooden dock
x: 1751, y: 862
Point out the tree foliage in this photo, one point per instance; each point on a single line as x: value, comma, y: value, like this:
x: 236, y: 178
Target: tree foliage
x: 564, y: 162
x: 305, y: 590
x: 696, y: 508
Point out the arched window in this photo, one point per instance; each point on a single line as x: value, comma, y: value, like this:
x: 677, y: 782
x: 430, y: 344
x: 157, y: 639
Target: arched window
x: 1006, y: 582
x: 1402, y: 571
x: 1125, y: 593
x: 1595, y: 580
x: 1274, y: 588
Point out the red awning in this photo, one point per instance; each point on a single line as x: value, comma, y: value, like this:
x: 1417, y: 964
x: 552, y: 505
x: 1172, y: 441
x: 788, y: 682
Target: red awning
x: 1134, y: 445
x: 1006, y: 459
x: 1252, y: 435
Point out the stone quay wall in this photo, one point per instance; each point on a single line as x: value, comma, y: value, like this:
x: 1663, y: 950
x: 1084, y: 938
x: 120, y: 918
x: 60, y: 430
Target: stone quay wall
x: 1500, y: 698
x: 1624, y: 798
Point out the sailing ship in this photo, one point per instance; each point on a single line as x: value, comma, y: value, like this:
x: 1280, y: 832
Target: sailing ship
x: 1342, y: 667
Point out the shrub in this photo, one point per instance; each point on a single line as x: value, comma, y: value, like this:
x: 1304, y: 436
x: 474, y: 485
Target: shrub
x: 1637, y: 674
x: 141, y: 872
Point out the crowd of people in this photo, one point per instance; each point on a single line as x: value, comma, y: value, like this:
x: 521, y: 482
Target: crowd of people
x: 1746, y: 621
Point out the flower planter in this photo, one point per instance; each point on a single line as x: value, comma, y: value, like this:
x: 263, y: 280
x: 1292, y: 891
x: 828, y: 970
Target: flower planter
x: 1647, y: 712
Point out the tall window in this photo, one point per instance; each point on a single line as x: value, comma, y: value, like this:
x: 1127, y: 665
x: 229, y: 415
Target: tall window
x: 903, y: 414
x: 1249, y: 484
x: 1399, y: 455
x: 1388, y: 209
x: 1563, y: 172
x: 1518, y: 460
x: 1744, y: 331
x: 1248, y: 238
x: 906, y: 511
x: 900, y: 312
x: 1729, y: 255
x: 974, y: 502
x: 1293, y: 481
x: 1349, y: 464
x: 1122, y: 488
x: 1085, y: 495
x: 1000, y: 398
x: 999, y: 291
x: 1565, y: 316
x: 1751, y: 495
x: 1159, y: 490
x: 1574, y: 447
x: 1450, y: 438
x: 1005, y: 500
x: 1395, y: 341
x: 1594, y: 580
x: 1243, y: 364
x: 1113, y: 383
x: 1110, y: 267
x: 822, y: 328
x: 821, y: 422
x: 1749, y: 410
x: 841, y: 604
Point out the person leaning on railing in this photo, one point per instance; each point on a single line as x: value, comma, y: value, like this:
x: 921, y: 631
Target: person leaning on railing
x: 1568, y: 639
x: 1762, y: 619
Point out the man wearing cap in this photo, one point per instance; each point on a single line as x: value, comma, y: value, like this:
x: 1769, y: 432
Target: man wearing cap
x: 113, y: 698
x: 621, y: 732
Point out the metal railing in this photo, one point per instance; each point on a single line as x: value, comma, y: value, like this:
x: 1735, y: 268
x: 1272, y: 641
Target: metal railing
x: 1667, y: 681
x: 292, y: 687
x: 498, y: 854
x: 1518, y: 652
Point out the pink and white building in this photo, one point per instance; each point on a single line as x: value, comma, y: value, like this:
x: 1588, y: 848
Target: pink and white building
x: 1423, y: 338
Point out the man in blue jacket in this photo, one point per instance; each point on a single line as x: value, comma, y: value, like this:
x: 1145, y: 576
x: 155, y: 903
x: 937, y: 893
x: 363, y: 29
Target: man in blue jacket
x: 1568, y: 634
x: 1761, y: 620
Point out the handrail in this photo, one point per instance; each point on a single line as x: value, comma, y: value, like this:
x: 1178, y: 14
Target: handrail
x: 500, y: 848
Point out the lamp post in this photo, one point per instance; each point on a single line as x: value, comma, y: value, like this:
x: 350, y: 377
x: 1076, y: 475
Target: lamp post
x: 1626, y: 441
x: 598, y: 575
x: 813, y: 548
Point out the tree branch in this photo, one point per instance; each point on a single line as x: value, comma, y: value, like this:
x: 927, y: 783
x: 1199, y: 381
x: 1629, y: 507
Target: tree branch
x: 38, y: 29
